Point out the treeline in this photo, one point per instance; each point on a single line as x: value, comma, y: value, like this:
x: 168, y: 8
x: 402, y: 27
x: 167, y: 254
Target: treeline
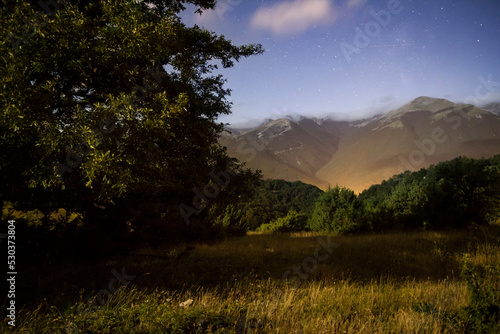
x: 272, y: 200
x: 452, y: 194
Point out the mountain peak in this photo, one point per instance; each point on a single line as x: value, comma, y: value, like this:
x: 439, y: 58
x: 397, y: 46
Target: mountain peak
x: 359, y: 154
x: 275, y: 127
x: 425, y: 100
x: 427, y: 103
x: 422, y: 103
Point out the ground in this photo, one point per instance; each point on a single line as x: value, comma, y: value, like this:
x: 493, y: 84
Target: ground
x: 400, y: 282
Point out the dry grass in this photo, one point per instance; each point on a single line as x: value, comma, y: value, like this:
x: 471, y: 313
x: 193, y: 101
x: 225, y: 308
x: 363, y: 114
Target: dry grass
x: 369, y: 284
x: 267, y: 306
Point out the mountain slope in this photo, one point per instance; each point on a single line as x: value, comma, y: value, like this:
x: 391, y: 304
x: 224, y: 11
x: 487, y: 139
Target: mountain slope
x: 493, y: 108
x: 286, y: 149
x: 422, y: 133
x: 359, y: 154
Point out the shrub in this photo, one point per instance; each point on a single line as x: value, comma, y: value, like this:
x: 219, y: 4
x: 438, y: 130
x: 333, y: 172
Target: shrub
x: 337, y: 210
x: 482, y: 315
x: 293, y: 222
x: 231, y: 220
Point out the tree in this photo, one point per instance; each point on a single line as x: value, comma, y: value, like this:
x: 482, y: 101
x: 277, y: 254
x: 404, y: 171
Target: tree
x: 451, y: 194
x: 462, y: 191
x: 337, y: 210
x: 109, y: 108
x: 407, y: 202
x: 271, y: 200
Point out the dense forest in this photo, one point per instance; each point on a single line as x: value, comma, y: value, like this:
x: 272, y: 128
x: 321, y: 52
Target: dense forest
x: 452, y: 194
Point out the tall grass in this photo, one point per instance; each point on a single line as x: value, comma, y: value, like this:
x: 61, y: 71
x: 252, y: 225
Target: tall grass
x: 250, y: 305
x: 386, y: 283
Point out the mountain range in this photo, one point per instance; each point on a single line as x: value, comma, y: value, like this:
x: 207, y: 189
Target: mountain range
x: 358, y: 154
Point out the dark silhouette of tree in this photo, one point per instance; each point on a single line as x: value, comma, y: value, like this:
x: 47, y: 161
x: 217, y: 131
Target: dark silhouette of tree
x: 109, y: 108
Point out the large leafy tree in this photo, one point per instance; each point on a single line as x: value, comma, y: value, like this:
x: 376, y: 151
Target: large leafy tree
x: 337, y: 210
x: 462, y: 191
x: 109, y: 107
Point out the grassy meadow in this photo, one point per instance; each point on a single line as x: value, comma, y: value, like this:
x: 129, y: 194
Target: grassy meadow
x: 381, y: 283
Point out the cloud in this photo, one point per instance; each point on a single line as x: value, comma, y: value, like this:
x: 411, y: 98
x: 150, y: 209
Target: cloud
x: 290, y: 17
x: 481, y: 100
x: 355, y: 3
x: 380, y: 106
x: 215, y: 17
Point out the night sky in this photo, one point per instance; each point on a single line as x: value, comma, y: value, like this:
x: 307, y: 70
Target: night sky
x: 353, y: 58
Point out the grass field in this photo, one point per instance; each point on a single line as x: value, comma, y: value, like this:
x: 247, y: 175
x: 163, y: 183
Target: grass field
x: 384, y: 283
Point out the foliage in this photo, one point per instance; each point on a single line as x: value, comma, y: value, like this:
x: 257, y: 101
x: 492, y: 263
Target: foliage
x: 463, y: 191
x: 275, y: 198
x: 482, y: 315
x: 293, y: 222
x: 451, y: 194
x: 337, y: 210
x: 109, y: 109
x: 232, y: 220
x: 272, y: 199
x: 406, y: 202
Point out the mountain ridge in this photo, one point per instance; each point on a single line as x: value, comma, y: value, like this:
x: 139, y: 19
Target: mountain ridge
x: 357, y: 154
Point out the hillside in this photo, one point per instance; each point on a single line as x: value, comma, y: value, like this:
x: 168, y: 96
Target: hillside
x: 359, y: 154
x: 286, y: 149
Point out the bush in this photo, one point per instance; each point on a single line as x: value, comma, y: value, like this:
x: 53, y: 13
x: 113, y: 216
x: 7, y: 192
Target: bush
x: 293, y: 222
x: 482, y: 315
x: 337, y: 210
x: 231, y: 221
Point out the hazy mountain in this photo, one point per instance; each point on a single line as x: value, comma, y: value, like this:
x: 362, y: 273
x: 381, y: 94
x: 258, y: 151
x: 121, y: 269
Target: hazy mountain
x: 493, y: 107
x: 291, y: 150
x: 359, y: 154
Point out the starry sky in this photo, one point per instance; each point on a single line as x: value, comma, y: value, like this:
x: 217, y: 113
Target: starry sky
x: 350, y: 59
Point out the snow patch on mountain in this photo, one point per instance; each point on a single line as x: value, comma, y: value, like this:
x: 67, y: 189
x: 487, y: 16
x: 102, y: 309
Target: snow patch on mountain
x: 275, y: 128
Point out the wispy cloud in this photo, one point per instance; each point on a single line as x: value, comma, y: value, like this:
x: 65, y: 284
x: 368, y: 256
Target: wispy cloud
x: 483, y: 100
x: 291, y: 17
x: 355, y: 3
x: 212, y: 19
